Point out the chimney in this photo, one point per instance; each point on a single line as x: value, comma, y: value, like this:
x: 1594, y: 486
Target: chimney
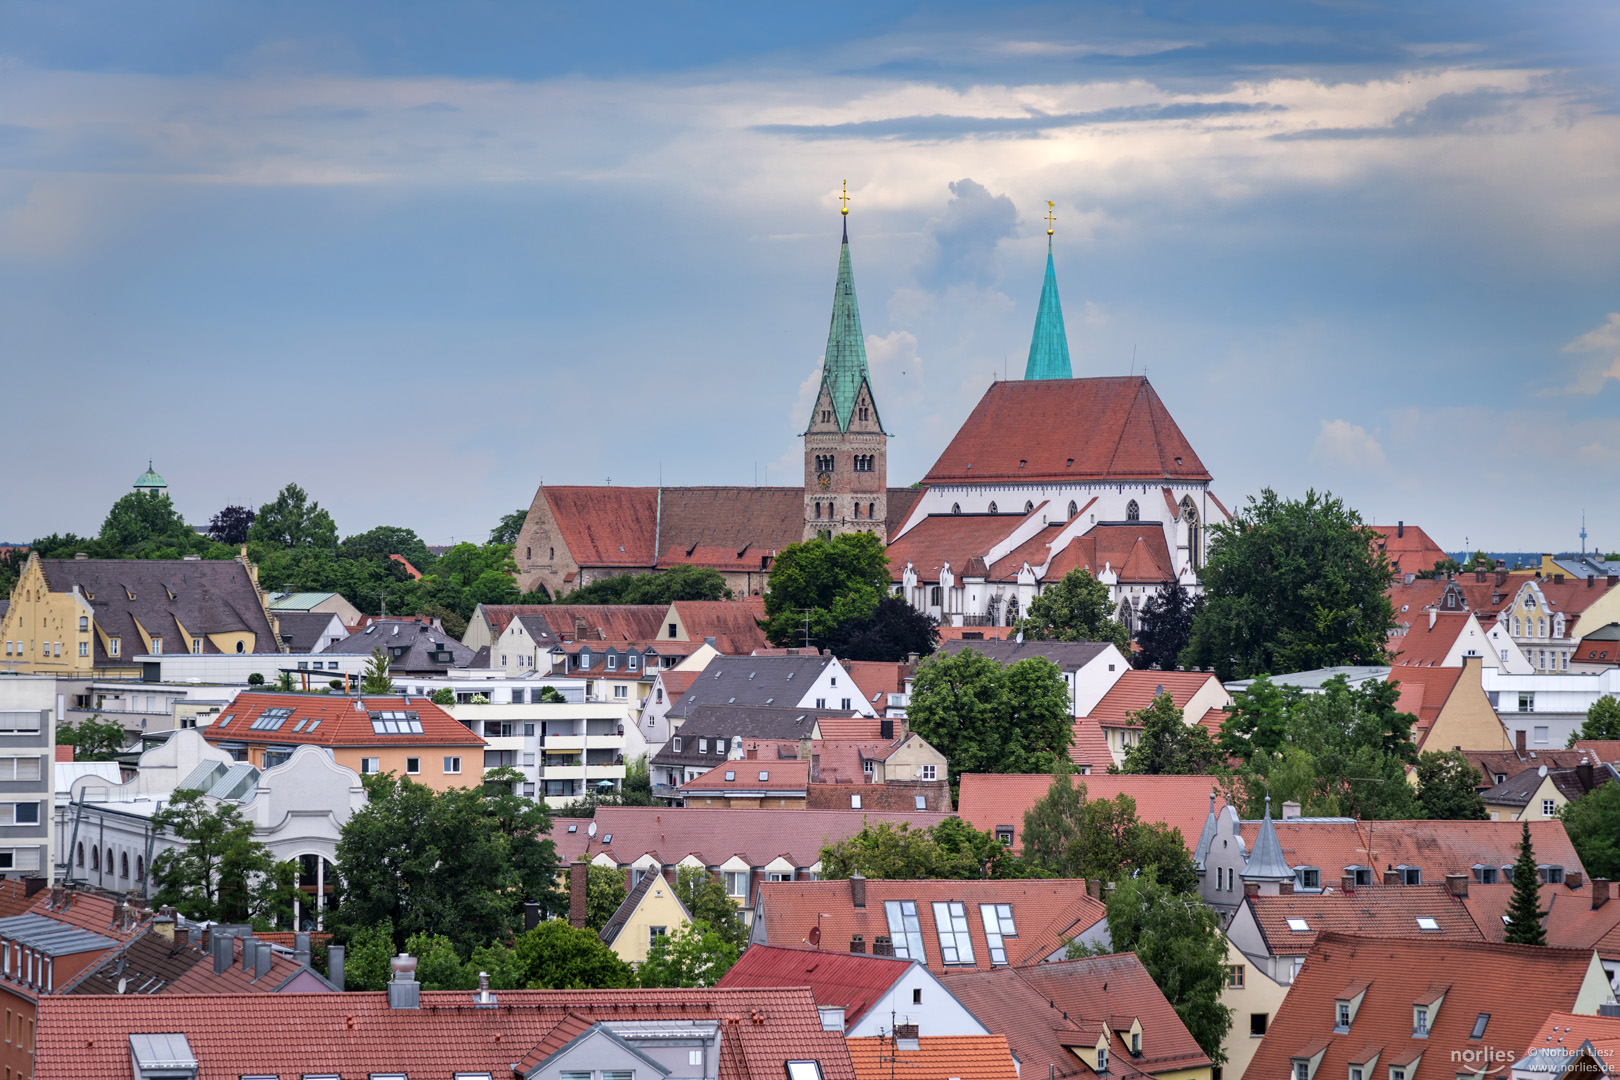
x: 262, y: 958
x: 1433, y: 615
x: 1613, y: 580
x: 483, y: 999
x: 1094, y: 888
x: 1583, y: 773
x: 32, y: 885
x: 334, y: 965
x: 182, y: 937
x: 576, y: 894
x: 886, y: 728
x: 1573, y: 879
x: 804, y: 748
x: 221, y: 946
x: 1347, y: 883
x: 301, y: 946
x: 1590, y: 581
x: 1457, y: 885
x: 1479, y: 577
x: 1519, y: 743
x: 1285, y: 888
x: 832, y: 1017
x: 247, y: 953
x: 1558, y: 579
x: 1600, y: 892
x: 882, y: 946
x: 751, y: 754
x: 1392, y: 877
x: 905, y: 1031
x: 531, y: 915
x: 1251, y: 888
x: 1501, y: 575
x: 404, y: 992
x: 1290, y: 810
x: 1400, y: 529
x: 163, y: 927
x: 857, y: 943
x: 857, y: 892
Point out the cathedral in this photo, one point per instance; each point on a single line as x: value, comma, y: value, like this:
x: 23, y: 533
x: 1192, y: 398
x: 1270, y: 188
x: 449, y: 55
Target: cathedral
x: 1048, y: 474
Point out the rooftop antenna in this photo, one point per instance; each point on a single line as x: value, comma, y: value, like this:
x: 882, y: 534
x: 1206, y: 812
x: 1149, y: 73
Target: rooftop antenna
x: 1133, y: 359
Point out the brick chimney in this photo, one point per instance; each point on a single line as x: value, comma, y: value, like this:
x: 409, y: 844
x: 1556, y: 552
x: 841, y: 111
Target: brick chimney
x: 882, y: 946
x: 1251, y: 888
x: 1347, y: 883
x: 1600, y: 892
x: 905, y: 1031
x: 857, y: 894
x: 576, y: 894
x: 1573, y: 879
x: 857, y: 943
x: 1457, y: 885
x: 1285, y: 888
x: 1583, y: 773
x: 1501, y: 575
x: 1392, y: 877
x: 1519, y: 742
x: 751, y: 754
x: 1290, y: 810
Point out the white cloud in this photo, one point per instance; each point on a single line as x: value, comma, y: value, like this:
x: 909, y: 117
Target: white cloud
x: 1595, y: 371
x: 1341, y: 444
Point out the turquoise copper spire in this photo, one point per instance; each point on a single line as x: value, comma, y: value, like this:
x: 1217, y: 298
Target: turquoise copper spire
x: 843, y: 368
x: 1049, y: 348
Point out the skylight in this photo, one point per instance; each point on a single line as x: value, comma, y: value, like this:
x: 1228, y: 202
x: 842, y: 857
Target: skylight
x: 730, y: 775
x: 1426, y: 923
x: 764, y: 775
x: 396, y: 723
x: 1298, y: 924
x: 573, y: 828
x: 1479, y: 1025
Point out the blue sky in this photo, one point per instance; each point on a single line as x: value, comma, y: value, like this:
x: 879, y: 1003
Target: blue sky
x: 419, y: 257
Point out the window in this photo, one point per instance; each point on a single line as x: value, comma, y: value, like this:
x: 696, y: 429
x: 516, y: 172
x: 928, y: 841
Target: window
x: 84, y: 623
x: 413, y: 765
x: 1552, y: 875
x: 84, y: 648
x: 1527, y: 701
x: 19, y: 768
x: 916, y: 995
x: 157, y: 646
x: 1355, y: 1072
x: 452, y: 765
x: 1132, y: 511
x: 654, y: 933
x: 19, y: 813
x: 621, y: 691
x: 930, y: 772
x: 112, y: 646
x: 1302, y: 1070
x: 1298, y: 925
x: 845, y: 704
x: 1479, y: 1025
x: 1420, y: 1020
x: 1343, y: 1020
x: 1309, y: 877
x: 612, y: 662
x: 1004, y: 833
x: 905, y: 930
x: 703, y: 746
x: 736, y: 883
x: 950, y: 921
x: 1136, y: 1044
x: 271, y: 719
x: 866, y: 766
x: 1257, y: 1026
x: 998, y: 925
x: 854, y: 802
x: 1102, y: 1059
x: 676, y: 743
x: 369, y: 765
x: 1485, y: 875
x: 1424, y: 922
x: 1411, y: 875
x: 1548, y: 807
x: 633, y: 661
x: 1541, y: 735
x: 804, y: 1070
x: 993, y: 509
x: 1234, y: 976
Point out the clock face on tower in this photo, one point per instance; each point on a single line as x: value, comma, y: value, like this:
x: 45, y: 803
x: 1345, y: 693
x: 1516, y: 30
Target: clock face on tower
x: 824, y: 481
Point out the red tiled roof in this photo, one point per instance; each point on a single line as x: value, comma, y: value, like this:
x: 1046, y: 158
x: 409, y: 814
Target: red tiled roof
x: 1424, y: 692
x: 1572, y: 595
x: 937, y: 1057
x: 877, y: 679
x: 1426, y: 646
x: 202, y: 979
x: 1509, y: 764
x: 1142, y: 563
x: 949, y: 538
x: 1036, y: 551
x: 846, y: 728
x: 1088, y: 748
x: 605, y: 622
x: 416, y: 575
x: 677, y: 683
x: 974, y: 633
x: 338, y: 721
x: 1476, y: 977
x: 1570, y: 921
x: 1567, y: 1031
x: 1596, y: 651
x: 1113, y: 428
x: 851, y: 980
x: 1602, y: 749
x: 1409, y: 553
x: 1377, y: 911
x: 500, y: 616
x: 605, y: 525
x: 1047, y: 913
x: 85, y: 910
x: 745, y: 776
x: 1438, y: 847
x: 736, y: 621
x: 1137, y: 688
x: 357, y: 1034
x: 988, y: 800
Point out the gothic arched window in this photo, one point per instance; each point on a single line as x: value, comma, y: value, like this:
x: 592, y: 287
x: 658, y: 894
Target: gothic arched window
x: 1073, y: 509
x: 871, y: 509
x: 81, y: 853
x: 1029, y: 507
x: 95, y: 859
x: 1132, y: 511
x: 1195, y: 533
x: 123, y: 865
x: 993, y: 509
x: 956, y: 508
x: 140, y: 869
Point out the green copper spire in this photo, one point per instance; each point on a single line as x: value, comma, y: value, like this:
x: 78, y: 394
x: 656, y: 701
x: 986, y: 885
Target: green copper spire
x: 1049, y: 348
x: 843, y: 368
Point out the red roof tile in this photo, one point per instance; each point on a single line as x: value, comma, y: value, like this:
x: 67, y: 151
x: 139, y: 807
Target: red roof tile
x: 775, y: 776
x: 1377, y: 911
x: 337, y: 721
x: 1596, y: 651
x: 1424, y: 692
x: 734, y: 621
x: 853, y: 981
x: 1113, y: 428
x: 847, y: 728
x: 1570, y: 920
x: 357, y: 1034
x: 877, y: 679
x: 1567, y: 1031
x: 1088, y: 748
x: 1137, y: 688
x: 1425, y: 645
x: 1602, y: 749
x: 1437, y: 847
x: 1143, y: 563
x: 989, y: 800
x: 1476, y: 977
x: 974, y: 633
x: 937, y: 1057
x: 948, y: 538
x: 1410, y: 552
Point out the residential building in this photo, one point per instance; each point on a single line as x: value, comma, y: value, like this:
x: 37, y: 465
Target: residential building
x: 1101, y: 1016
x: 28, y: 715
x: 408, y: 736
x: 650, y: 911
x: 1547, y: 617
x: 1451, y: 706
x: 527, y: 1034
x: 1443, y: 632
x: 1498, y: 766
x: 731, y: 626
x: 623, y: 673
x: 667, y: 689
x: 874, y: 995
x: 309, y: 631
x: 792, y: 682
x: 1548, y: 708
x: 710, y: 734
x: 565, y: 750
x: 1597, y: 651
x: 414, y: 649
x: 1198, y: 694
x: 1368, y: 1008
x: 745, y: 847
x: 1579, y: 915
x: 1568, y: 1046
x: 932, y: 1057
x: 943, y: 924
x: 883, y: 684
x: 304, y: 603
x: 1090, y: 668
x: 1539, y: 793
x: 93, y: 618
x: 1408, y: 548
x: 1316, y: 680
x: 164, y: 958
x: 999, y: 800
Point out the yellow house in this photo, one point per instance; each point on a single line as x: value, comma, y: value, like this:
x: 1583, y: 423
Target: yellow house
x: 1254, y: 998
x: 650, y: 911
x: 93, y: 618
x: 1451, y: 707
x: 1540, y: 793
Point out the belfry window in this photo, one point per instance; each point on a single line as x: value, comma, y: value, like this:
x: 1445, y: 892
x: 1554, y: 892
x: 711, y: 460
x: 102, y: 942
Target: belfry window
x: 1073, y: 509
x: 1132, y: 511
x: 1029, y: 507
x: 818, y: 511
x: 993, y: 509
x: 956, y: 508
x: 871, y: 509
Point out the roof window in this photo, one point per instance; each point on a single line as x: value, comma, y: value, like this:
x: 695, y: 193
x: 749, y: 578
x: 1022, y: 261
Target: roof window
x: 270, y: 720
x: 1426, y: 923
x: 396, y: 723
x: 730, y: 775
x: 1298, y: 924
x: 804, y: 1070
x: 1479, y: 1025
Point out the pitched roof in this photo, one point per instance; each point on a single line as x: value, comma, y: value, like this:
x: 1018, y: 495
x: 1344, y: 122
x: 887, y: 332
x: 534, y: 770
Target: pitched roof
x: 1424, y: 645
x: 1088, y: 747
x: 303, y: 630
x: 1571, y: 921
x: 209, y: 596
x: 1436, y: 847
x: 1508, y: 762
x: 1136, y: 689
x: 330, y: 720
x: 1047, y: 913
x: 1067, y: 655
x: 1603, y: 749
x: 500, y: 616
x: 1424, y: 692
x: 1476, y: 978
x: 854, y: 981
x: 413, y: 648
x: 1408, y: 547
x: 1113, y: 428
x: 878, y: 679
x: 782, y: 681
x: 937, y: 1057
x: 956, y: 539
x: 82, y: 1038
x: 988, y: 800
x: 733, y: 621
x: 1376, y: 911
x: 716, y: 834
x: 1564, y: 1032
x: 622, y: 914
x: 751, y: 778
x: 1266, y: 861
x: 1049, y: 345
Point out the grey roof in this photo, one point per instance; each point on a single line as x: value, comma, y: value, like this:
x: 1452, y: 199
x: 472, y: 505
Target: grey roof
x: 203, y: 777
x: 1067, y: 655
x: 724, y: 722
x: 1315, y: 680
x: 298, y: 601
x: 409, y: 645
x: 1585, y: 566
x: 621, y: 915
x: 303, y: 630
x: 237, y: 781
x: 1267, y: 862
x: 754, y: 680
x: 1207, y: 836
x: 51, y: 937
x: 211, y: 596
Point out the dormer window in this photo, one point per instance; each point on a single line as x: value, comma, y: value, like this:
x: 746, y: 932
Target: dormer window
x: 1102, y: 1059
x: 1302, y: 1070
x: 1410, y: 875
x: 1310, y: 877
x: 1343, y: 1019
x: 1136, y: 1044
x: 1552, y: 875
x: 703, y: 746
x: 1359, y: 875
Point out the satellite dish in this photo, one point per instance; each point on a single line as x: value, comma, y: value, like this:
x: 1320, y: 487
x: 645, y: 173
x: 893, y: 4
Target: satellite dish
x: 815, y: 936
x: 590, y: 830
x: 123, y: 984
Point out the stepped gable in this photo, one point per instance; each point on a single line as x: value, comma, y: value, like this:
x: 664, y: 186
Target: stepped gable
x: 1068, y: 430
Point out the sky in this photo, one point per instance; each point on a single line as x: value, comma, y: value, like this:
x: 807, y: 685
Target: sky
x: 421, y: 257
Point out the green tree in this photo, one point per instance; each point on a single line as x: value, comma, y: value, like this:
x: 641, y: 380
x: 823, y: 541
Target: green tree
x: 291, y: 520
x: 1075, y: 609
x: 1257, y: 721
x: 891, y: 633
x: 376, y: 679
x: 950, y: 849
x: 1291, y: 585
x: 986, y: 717
x: 1524, y: 909
x: 1602, y: 721
x: 1593, y: 824
x: 366, y: 967
x: 1170, y: 746
x: 386, y: 540
x: 437, y: 965
x: 94, y: 739
x: 1165, y: 627
x: 231, y: 525
x: 550, y: 695
x: 511, y: 524
x: 443, y: 696
x: 217, y: 869
x: 556, y: 956
x: 1448, y: 787
x: 706, y: 901
x: 143, y: 525
x: 834, y: 581
x: 1070, y: 836
x: 1179, y: 941
x: 694, y: 955
x: 604, y: 892
x: 500, y: 962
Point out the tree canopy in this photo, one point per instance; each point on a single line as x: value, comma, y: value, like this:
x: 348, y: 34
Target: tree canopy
x: 511, y: 524
x: 950, y: 849
x: 1448, y: 787
x: 694, y: 955
x: 834, y: 581
x: 1165, y: 627
x: 231, y: 525
x: 1169, y: 746
x: 93, y: 739
x: 1069, y: 835
x: 664, y: 587
x: 1602, y: 721
x: 1593, y: 824
x: 1076, y: 608
x: 1291, y: 585
x: 219, y: 870
x: 988, y: 717
x: 892, y: 632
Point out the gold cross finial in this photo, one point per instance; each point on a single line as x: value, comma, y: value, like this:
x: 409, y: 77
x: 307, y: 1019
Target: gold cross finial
x: 1050, y: 216
x: 844, y: 198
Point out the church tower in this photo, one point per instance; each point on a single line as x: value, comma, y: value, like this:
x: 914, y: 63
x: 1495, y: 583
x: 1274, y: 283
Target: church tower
x: 845, y: 446
x: 1049, y: 347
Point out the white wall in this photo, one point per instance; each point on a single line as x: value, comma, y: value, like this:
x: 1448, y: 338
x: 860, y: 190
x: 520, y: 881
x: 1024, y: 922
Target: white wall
x: 938, y: 1014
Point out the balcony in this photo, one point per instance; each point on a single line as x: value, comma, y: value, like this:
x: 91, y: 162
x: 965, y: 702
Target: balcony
x: 566, y: 744
x: 582, y: 772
